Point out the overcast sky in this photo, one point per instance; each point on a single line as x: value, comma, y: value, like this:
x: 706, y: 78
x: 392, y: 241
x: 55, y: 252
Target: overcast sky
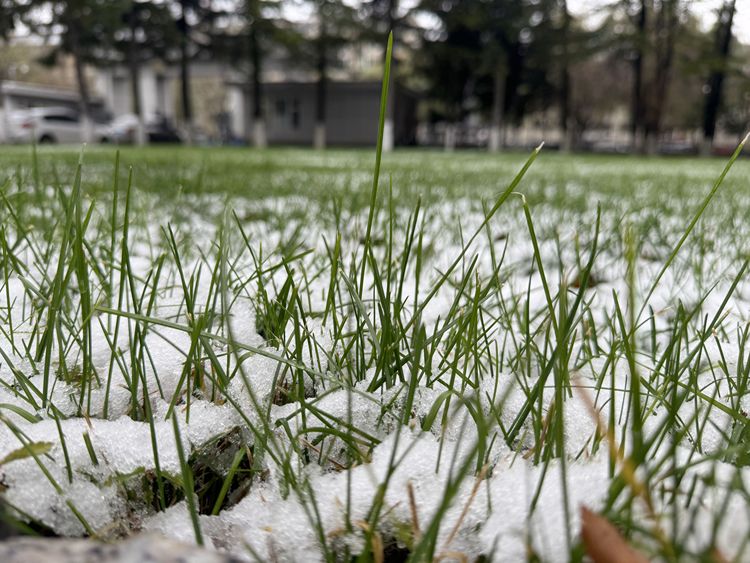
x: 706, y: 9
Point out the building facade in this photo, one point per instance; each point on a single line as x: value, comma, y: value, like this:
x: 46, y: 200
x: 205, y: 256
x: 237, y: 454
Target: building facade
x: 352, y: 112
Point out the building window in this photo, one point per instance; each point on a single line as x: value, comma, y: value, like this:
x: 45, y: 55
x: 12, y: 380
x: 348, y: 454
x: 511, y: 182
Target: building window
x: 280, y: 108
x: 295, y: 114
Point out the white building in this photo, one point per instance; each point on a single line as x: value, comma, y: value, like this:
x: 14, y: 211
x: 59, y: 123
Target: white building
x: 160, y: 91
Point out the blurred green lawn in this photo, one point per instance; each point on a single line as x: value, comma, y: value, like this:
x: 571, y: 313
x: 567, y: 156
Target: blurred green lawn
x: 348, y: 172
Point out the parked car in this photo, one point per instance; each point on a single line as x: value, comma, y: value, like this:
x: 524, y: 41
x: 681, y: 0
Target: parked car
x: 678, y: 148
x: 52, y: 125
x: 158, y: 130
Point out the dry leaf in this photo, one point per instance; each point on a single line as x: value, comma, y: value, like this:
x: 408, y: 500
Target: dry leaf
x: 717, y: 556
x: 603, y: 542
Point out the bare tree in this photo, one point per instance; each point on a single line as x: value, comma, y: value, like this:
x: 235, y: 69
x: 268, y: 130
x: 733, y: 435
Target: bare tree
x: 336, y: 25
x: 83, y: 28
x: 566, y: 128
x: 665, y: 31
x: 253, y: 16
x: 637, y: 126
x: 11, y: 12
x: 497, y: 128
x: 383, y: 17
x: 715, y: 81
x: 183, y: 25
x: 135, y: 75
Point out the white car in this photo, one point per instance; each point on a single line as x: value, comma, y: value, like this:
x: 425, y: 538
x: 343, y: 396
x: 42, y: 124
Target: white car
x: 52, y: 125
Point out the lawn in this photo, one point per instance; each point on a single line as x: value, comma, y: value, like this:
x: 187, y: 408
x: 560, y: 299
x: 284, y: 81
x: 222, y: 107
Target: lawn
x: 257, y: 352
x: 281, y: 172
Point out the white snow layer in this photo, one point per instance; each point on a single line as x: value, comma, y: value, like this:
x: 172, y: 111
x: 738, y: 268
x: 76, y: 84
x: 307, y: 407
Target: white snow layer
x: 517, y: 507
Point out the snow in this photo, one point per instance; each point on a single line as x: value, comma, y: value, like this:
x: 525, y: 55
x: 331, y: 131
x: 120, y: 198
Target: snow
x: 491, y: 516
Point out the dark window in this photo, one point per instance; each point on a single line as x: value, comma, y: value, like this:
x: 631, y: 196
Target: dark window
x: 295, y: 114
x: 59, y: 118
x: 280, y: 108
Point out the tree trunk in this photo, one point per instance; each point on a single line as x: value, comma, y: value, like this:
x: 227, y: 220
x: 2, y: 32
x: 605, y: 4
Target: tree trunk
x: 498, y: 109
x: 5, y: 107
x: 389, y: 132
x: 187, y: 106
x: 716, y: 79
x: 389, y: 128
x: 449, y: 142
x: 566, y: 131
x: 83, y: 89
x: 665, y: 32
x: 135, y: 79
x: 319, y: 138
x: 256, y: 77
x: 6, y: 115
x: 512, y: 80
x: 637, y: 129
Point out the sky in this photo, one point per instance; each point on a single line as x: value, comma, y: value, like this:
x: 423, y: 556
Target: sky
x: 706, y: 9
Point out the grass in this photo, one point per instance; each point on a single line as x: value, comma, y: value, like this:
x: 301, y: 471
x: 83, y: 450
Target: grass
x: 283, y: 172
x: 283, y: 317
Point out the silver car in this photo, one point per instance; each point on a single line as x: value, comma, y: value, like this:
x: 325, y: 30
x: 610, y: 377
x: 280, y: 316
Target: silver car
x: 52, y: 125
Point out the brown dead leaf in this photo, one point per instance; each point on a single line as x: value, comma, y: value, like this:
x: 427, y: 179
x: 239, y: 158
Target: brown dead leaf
x: 603, y: 542
x: 717, y: 556
x: 591, y: 281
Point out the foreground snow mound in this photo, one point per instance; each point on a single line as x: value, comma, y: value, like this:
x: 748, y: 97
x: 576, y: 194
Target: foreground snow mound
x: 274, y: 391
x: 142, y: 548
